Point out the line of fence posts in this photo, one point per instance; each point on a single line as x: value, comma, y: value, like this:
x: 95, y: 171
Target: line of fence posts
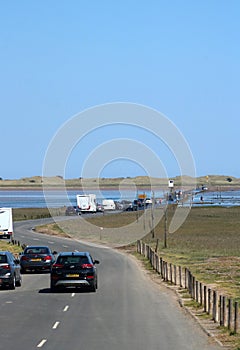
x: 223, y: 310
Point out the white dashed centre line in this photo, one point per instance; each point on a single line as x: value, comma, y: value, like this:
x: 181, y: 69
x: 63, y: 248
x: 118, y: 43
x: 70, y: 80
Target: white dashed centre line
x: 56, y: 324
x: 66, y: 308
x: 42, y: 342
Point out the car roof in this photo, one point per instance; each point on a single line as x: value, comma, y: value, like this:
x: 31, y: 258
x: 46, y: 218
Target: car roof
x: 74, y: 253
x: 4, y: 252
x: 37, y: 246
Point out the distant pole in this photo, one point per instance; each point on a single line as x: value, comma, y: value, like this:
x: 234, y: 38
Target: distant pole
x: 165, y: 224
x: 137, y: 207
x: 152, y: 212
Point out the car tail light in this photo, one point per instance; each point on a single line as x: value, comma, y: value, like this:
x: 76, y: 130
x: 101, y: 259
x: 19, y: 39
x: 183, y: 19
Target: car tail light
x: 58, y: 266
x: 5, y: 267
x: 48, y: 257
x: 90, y: 277
x: 25, y: 258
x: 87, y: 266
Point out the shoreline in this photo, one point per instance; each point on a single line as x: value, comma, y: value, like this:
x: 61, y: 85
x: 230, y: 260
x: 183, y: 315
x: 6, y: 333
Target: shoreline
x: 211, y: 188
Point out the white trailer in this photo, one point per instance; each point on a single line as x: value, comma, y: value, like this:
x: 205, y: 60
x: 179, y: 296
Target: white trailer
x: 6, y: 223
x: 87, y: 203
x: 108, y: 204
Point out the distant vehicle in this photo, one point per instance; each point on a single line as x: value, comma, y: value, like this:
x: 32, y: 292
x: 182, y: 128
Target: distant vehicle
x: 100, y: 207
x: 74, y: 269
x: 37, y: 258
x: 108, y: 204
x: 10, y: 275
x: 6, y: 223
x: 87, y: 203
x: 148, y: 201
x: 74, y: 210
x: 139, y: 204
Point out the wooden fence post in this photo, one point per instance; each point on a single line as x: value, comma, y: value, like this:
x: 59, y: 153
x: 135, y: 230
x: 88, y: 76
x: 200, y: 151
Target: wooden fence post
x: 209, y: 301
x: 230, y: 305
x: 197, y: 295
x: 185, y: 278
x: 200, y: 290
x: 205, y: 298
x: 175, y: 275
x: 215, y: 306
x: 161, y: 266
x: 223, y: 310
x: 235, y: 317
x: 170, y: 265
x: 166, y: 266
x: 180, y: 275
x: 193, y: 287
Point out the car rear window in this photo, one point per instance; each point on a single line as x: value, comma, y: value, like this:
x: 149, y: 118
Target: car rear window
x: 73, y: 260
x: 3, y: 259
x: 36, y: 251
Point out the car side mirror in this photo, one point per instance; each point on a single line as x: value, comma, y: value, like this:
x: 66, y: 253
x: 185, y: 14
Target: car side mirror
x: 16, y: 261
x: 54, y: 252
x: 96, y: 262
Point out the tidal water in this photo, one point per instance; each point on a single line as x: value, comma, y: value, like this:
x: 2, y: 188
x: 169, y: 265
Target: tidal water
x: 55, y: 199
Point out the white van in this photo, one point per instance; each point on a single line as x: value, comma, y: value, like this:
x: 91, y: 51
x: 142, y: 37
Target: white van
x: 6, y: 223
x: 87, y: 203
x: 108, y: 204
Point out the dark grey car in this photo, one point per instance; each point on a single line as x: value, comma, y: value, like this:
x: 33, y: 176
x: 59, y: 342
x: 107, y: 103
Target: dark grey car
x: 37, y: 258
x: 10, y: 275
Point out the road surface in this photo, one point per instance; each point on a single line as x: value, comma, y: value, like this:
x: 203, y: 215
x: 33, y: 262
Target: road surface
x: 128, y: 311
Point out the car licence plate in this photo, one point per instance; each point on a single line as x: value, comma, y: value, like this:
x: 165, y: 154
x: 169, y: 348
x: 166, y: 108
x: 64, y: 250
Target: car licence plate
x: 36, y: 259
x: 73, y: 275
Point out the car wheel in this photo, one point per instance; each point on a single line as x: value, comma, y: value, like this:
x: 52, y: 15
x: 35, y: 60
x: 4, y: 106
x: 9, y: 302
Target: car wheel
x: 13, y: 284
x: 19, y: 282
x: 93, y: 288
x: 53, y: 287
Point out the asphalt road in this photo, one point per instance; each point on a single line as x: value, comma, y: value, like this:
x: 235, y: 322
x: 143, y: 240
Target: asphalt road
x: 128, y: 311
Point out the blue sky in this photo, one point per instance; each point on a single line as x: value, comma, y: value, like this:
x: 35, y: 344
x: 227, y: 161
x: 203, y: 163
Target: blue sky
x: 58, y: 58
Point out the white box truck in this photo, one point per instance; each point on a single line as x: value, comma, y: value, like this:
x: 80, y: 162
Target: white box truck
x: 6, y: 223
x: 108, y: 204
x: 87, y: 203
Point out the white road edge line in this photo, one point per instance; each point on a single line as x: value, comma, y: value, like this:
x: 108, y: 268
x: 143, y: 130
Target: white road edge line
x: 66, y: 308
x: 42, y: 342
x: 56, y: 324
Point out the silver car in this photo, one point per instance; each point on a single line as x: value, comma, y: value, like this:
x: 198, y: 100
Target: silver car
x: 10, y: 275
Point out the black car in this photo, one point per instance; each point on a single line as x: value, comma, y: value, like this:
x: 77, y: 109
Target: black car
x: 10, y: 275
x: 74, y: 269
x: 37, y: 258
x: 74, y: 210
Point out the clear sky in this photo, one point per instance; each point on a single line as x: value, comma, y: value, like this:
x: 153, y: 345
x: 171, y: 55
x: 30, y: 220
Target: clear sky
x: 181, y: 58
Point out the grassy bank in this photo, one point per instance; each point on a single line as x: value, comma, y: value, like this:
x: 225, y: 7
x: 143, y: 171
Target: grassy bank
x: 35, y: 213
